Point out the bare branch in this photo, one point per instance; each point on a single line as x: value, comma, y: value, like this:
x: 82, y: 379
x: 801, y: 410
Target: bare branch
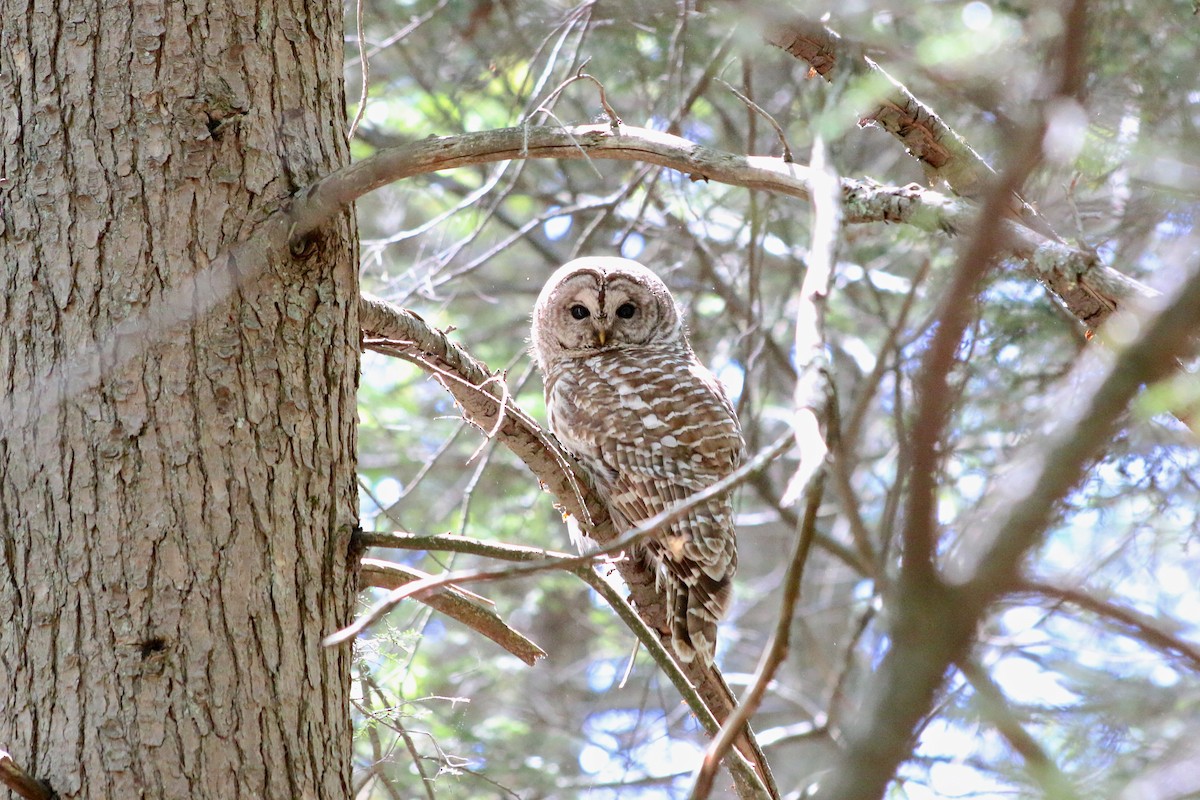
x: 621, y: 544
x: 925, y: 135
x: 757, y: 109
x: 932, y: 382
x: 453, y: 602
x: 775, y: 652
x: 614, y: 121
x: 709, y: 716
x: 1090, y: 289
x: 20, y: 781
x: 1149, y: 630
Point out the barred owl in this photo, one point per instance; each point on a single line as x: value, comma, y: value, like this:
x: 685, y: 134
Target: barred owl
x: 626, y: 395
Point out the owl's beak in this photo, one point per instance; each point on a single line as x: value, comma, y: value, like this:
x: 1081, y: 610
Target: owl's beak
x: 602, y: 335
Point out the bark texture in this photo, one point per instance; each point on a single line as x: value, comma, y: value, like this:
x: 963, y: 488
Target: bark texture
x: 176, y: 428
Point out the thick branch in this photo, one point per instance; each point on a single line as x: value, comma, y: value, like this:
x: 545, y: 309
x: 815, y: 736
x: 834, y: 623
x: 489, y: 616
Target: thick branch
x: 1012, y: 519
x: 20, y: 781
x: 1090, y: 289
x: 934, y: 621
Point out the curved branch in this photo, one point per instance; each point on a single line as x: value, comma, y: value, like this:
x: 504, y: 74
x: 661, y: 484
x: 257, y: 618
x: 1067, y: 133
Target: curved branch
x: 749, y: 783
x: 1131, y: 622
x: 1088, y: 288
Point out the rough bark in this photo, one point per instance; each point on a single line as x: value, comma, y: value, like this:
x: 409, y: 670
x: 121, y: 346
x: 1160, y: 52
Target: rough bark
x: 176, y: 429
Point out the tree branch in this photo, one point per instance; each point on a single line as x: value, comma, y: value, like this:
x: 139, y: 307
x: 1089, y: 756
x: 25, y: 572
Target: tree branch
x: 616, y: 546
x: 20, y: 781
x: 925, y: 136
x: 934, y: 619
x: 993, y: 706
x: 1090, y: 289
x: 1011, y: 520
x: 468, y: 608
x: 1148, y: 630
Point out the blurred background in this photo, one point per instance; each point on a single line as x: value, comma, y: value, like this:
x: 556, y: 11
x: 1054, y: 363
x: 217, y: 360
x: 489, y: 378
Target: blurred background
x: 1097, y: 663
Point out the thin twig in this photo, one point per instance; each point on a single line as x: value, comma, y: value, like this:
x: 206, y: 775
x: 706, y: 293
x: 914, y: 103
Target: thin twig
x: 614, y: 121
x: 364, y: 68
x: 775, y: 652
x: 650, y: 527
x: 756, y: 108
x: 1148, y: 630
x: 809, y: 480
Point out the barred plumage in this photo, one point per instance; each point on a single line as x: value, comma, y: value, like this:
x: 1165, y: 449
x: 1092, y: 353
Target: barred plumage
x: 626, y: 394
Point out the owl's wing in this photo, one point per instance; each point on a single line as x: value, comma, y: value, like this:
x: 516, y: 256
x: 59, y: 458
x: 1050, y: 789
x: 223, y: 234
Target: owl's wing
x: 682, y: 436
x: 653, y: 428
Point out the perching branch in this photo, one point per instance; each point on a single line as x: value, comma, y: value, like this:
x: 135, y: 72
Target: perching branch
x: 748, y: 781
x: 625, y: 543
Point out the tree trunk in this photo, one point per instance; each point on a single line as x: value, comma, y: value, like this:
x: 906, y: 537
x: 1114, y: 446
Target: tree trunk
x: 177, y: 429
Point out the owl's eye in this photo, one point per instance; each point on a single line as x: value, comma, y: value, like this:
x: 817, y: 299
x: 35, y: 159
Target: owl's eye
x: 626, y: 310
x: 580, y: 312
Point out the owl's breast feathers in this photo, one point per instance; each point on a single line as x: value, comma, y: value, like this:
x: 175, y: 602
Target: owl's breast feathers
x: 649, y: 408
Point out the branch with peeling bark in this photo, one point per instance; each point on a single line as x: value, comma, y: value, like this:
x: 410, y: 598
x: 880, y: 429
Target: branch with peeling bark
x: 1090, y: 290
x: 1087, y: 287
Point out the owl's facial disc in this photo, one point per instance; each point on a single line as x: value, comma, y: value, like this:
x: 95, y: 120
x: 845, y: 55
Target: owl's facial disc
x: 601, y: 311
x: 598, y: 304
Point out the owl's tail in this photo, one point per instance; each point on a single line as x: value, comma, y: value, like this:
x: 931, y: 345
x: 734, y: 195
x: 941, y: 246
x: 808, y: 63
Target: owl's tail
x: 695, y: 607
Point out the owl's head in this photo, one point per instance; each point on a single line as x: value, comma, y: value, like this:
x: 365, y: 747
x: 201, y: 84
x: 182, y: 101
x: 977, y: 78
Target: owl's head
x: 599, y: 302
